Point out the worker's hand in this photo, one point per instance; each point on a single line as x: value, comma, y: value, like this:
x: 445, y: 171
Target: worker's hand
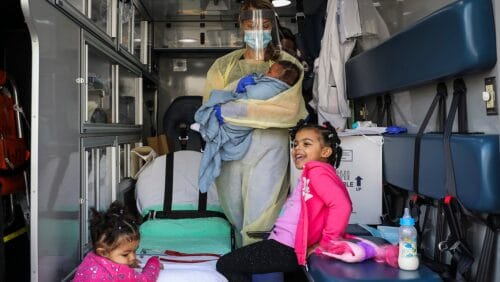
x: 244, y: 81
x: 218, y: 114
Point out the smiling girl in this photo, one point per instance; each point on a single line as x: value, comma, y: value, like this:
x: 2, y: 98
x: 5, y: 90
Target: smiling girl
x: 315, y: 213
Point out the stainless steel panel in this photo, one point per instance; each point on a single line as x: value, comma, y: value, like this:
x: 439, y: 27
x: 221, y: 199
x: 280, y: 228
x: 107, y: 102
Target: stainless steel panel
x: 110, y: 129
x: 189, y: 81
x: 409, y: 107
x: 78, y: 4
x: 128, y: 96
x: 56, y: 173
x: 101, y: 13
x: 126, y: 24
x: 188, y: 34
x: 165, y: 9
x: 127, y: 139
x: 100, y: 86
x: 150, y: 110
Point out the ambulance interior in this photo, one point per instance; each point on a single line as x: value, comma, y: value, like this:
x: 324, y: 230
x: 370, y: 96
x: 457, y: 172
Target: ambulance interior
x: 93, y: 81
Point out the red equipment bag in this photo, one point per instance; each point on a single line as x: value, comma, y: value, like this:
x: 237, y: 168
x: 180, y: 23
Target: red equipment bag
x: 14, y: 154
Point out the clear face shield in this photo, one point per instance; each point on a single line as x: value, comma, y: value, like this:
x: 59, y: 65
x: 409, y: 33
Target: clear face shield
x: 260, y: 30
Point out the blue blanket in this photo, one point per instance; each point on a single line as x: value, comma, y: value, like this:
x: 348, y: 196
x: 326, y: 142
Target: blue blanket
x: 228, y: 142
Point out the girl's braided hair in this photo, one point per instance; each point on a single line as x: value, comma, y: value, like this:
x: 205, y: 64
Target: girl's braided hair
x: 329, y: 138
x: 109, y: 228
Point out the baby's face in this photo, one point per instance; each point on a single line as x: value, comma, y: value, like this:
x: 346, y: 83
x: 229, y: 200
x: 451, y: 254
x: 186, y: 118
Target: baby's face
x: 275, y: 71
x: 124, y: 253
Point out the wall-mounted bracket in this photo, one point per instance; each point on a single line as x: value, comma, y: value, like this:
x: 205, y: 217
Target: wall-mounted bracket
x: 489, y: 96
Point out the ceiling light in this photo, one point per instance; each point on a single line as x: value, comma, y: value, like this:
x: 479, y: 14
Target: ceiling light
x: 187, y: 40
x: 281, y: 3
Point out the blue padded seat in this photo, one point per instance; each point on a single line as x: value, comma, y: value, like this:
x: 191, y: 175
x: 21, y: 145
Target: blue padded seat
x: 268, y: 277
x: 323, y: 269
x: 476, y: 161
x: 427, y: 51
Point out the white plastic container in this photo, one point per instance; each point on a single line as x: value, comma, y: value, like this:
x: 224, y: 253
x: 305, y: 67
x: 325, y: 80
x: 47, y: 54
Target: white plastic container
x: 408, y: 257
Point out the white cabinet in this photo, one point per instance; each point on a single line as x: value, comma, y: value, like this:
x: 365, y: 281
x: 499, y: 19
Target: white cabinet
x: 111, y: 90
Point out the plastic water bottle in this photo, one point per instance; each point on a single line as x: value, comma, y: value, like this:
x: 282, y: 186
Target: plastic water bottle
x: 408, y: 258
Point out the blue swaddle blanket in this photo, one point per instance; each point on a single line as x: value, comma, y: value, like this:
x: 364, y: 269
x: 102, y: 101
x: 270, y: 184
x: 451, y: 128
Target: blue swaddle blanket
x: 228, y: 142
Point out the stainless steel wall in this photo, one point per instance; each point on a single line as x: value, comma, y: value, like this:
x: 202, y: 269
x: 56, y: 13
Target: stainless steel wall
x: 181, y: 75
x: 56, y: 181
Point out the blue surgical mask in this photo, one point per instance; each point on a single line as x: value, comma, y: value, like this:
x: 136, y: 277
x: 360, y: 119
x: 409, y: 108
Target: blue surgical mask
x: 251, y: 38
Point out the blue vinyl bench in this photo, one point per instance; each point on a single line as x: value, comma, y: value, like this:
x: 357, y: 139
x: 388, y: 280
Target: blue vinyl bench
x: 476, y: 162
x: 457, y: 39
x: 329, y: 270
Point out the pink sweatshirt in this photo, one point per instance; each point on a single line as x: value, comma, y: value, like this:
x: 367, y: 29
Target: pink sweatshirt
x: 325, y: 210
x: 97, y: 268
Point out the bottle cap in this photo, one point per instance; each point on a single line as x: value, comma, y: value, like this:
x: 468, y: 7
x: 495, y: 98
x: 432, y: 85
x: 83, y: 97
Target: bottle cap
x: 407, y: 220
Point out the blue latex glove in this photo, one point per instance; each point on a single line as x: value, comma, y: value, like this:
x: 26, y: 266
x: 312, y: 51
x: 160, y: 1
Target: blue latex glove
x: 244, y: 81
x: 395, y: 130
x: 218, y: 114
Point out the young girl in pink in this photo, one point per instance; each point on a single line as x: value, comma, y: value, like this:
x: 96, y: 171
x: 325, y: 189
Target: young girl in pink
x: 316, y: 212
x: 115, y: 238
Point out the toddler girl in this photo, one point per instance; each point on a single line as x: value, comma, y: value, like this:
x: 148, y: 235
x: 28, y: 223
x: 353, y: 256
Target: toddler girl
x: 315, y: 213
x: 115, y: 238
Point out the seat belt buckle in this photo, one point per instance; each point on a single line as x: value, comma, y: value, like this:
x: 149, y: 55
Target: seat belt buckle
x: 414, y: 198
x: 446, y: 246
x: 448, y: 199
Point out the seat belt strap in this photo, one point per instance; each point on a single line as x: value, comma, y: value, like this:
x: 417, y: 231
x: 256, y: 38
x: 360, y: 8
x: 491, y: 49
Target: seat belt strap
x: 387, y: 107
x: 202, y: 201
x: 440, y: 97
x: 169, y: 182
x: 462, y: 256
x: 484, y: 266
x: 449, y: 181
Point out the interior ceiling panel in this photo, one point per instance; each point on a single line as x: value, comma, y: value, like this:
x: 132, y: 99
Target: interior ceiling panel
x: 161, y: 10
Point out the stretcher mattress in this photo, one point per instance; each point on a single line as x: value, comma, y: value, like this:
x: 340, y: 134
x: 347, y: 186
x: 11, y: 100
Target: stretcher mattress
x: 188, y: 235
x: 188, y: 272
x: 150, y: 186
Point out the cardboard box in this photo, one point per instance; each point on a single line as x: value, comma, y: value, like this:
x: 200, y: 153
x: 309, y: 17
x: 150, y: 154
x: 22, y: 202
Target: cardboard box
x: 361, y: 172
x: 162, y: 144
x: 140, y: 157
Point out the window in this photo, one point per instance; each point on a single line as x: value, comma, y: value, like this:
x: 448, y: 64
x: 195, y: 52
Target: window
x: 128, y: 96
x: 126, y: 24
x: 99, y: 87
x: 113, y: 90
x: 99, y: 165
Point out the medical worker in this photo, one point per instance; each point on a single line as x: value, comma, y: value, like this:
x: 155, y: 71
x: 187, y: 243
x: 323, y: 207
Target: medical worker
x: 253, y: 189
